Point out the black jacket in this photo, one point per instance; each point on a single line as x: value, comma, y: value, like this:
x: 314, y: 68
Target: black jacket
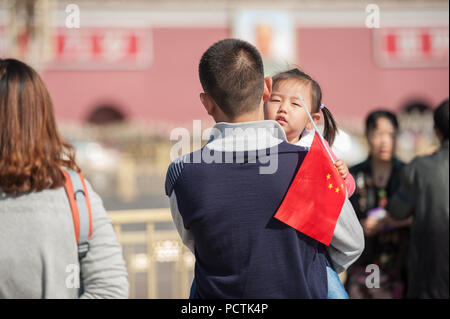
x: 387, y: 249
x: 424, y: 193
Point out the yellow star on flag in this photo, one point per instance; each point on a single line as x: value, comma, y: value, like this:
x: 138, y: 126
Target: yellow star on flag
x: 330, y: 186
x: 337, y: 189
x: 328, y: 176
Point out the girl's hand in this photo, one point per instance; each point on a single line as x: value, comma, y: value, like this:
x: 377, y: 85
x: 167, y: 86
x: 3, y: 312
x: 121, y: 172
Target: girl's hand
x: 342, y: 168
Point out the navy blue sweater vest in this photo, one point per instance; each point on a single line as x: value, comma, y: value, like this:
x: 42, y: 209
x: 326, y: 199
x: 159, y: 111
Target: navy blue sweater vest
x: 241, y: 250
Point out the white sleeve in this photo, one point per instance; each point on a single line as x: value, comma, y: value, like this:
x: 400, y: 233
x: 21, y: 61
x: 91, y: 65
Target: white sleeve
x: 186, y: 235
x: 347, y: 243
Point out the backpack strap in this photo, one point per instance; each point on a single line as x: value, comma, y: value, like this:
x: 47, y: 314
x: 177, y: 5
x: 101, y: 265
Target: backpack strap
x: 81, y: 209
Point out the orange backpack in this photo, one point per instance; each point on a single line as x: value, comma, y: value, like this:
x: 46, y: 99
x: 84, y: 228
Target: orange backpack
x: 81, y: 209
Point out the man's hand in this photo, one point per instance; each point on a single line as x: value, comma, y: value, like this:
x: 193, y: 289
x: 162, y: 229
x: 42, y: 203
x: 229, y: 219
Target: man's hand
x: 398, y: 223
x: 342, y: 168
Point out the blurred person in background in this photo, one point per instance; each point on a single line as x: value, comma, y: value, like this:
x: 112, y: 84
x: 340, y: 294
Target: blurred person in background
x: 377, y: 178
x: 424, y: 194
x: 37, y: 237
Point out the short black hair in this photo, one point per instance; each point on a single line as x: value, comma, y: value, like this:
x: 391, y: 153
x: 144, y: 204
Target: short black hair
x: 231, y: 71
x: 441, y: 119
x: 372, y: 118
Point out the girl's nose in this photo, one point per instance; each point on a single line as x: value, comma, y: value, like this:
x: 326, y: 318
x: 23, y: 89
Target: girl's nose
x: 282, y: 108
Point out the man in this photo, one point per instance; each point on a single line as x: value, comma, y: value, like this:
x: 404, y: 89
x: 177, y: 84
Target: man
x: 424, y: 194
x: 223, y: 196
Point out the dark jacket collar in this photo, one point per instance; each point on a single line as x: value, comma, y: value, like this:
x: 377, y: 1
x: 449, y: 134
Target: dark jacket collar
x: 367, y: 164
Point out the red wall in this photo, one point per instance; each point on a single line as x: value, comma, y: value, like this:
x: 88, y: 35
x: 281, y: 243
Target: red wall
x: 340, y: 59
x: 167, y: 91
x: 342, y: 62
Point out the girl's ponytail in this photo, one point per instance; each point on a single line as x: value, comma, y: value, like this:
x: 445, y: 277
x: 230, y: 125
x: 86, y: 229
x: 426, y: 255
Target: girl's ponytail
x: 330, y: 127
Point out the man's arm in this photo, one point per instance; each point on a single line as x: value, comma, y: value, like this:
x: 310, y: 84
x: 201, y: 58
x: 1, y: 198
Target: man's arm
x: 173, y: 174
x: 347, y: 243
x: 185, y: 234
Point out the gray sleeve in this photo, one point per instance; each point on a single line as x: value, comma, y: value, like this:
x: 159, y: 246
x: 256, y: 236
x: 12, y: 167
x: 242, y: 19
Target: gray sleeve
x: 185, y: 234
x: 347, y: 243
x: 103, y: 269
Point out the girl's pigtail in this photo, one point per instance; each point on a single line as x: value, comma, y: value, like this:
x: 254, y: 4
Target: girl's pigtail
x: 330, y: 127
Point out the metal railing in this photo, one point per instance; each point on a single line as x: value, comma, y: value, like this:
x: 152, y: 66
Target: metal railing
x: 162, y: 248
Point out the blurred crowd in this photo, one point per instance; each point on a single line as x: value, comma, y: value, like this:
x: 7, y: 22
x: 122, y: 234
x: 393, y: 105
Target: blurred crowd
x: 402, y: 208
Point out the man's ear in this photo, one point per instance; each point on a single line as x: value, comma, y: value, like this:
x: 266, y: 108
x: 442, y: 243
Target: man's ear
x: 267, y: 88
x: 316, y: 118
x: 207, y: 103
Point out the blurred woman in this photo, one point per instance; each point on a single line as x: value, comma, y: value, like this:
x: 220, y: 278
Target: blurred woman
x: 38, y: 251
x: 385, y: 239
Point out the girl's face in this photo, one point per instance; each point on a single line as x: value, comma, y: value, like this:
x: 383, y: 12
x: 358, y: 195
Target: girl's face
x: 284, y: 107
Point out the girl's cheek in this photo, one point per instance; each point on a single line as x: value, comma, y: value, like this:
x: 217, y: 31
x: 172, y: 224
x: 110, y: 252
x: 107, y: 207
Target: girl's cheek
x: 270, y: 112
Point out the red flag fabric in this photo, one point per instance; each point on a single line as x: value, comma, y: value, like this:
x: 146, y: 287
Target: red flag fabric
x: 315, y: 198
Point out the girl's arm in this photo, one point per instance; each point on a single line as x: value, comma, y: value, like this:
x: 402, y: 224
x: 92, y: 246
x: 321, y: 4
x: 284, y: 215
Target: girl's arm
x: 347, y: 243
x: 350, y: 184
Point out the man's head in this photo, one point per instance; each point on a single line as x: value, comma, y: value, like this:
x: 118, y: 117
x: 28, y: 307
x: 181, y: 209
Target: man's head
x: 441, y: 121
x: 232, y: 76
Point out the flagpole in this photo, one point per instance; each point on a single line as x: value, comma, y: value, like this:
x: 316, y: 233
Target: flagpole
x: 315, y: 127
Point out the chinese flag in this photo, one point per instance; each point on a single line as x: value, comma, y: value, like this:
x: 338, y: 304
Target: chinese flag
x: 315, y: 197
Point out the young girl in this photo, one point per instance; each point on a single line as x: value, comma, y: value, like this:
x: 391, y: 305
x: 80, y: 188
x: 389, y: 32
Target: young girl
x: 284, y: 107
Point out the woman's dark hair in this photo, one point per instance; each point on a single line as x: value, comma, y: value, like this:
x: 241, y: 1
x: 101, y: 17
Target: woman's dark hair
x: 32, y: 152
x: 330, y: 127
x: 441, y: 119
x: 372, y: 118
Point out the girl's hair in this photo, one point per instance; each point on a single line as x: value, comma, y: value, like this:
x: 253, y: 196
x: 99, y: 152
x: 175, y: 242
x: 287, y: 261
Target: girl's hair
x: 372, y: 118
x: 330, y: 127
x: 32, y: 152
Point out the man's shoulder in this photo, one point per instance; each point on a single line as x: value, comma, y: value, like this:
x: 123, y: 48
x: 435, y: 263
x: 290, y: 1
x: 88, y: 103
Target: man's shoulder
x: 424, y: 164
x: 174, y: 171
x: 178, y: 166
x: 195, y: 161
x: 288, y: 147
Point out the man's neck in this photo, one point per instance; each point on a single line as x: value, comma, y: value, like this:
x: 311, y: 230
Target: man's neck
x: 249, y: 117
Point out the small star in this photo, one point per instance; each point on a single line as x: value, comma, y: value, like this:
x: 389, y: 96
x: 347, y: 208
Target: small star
x: 337, y: 190
x: 342, y: 186
x: 330, y: 186
x: 328, y: 176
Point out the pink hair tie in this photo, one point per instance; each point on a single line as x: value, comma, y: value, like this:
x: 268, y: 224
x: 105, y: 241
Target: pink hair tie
x: 322, y: 106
